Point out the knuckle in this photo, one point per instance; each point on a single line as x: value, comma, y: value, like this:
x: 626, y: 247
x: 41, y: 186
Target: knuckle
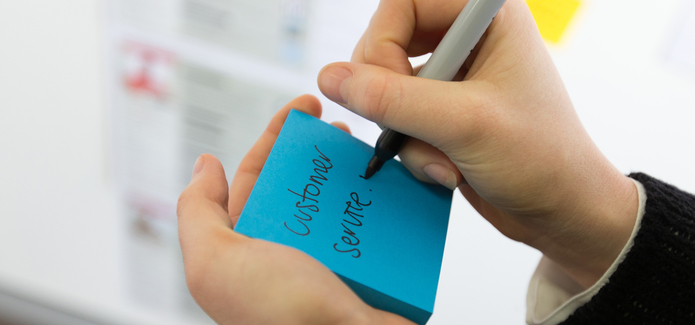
x: 476, y: 114
x: 381, y: 97
x: 184, y: 199
x: 486, y: 115
x: 371, y: 52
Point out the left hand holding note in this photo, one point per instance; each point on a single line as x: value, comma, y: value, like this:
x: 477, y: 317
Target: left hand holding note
x: 239, y: 280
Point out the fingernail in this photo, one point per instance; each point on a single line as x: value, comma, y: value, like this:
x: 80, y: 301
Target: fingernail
x: 198, y: 165
x: 441, y: 175
x: 334, y: 83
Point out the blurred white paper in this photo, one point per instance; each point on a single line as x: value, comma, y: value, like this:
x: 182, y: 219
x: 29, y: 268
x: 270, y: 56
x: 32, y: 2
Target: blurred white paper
x: 189, y: 77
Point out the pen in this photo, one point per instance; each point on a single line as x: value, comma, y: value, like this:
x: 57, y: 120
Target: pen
x: 445, y: 62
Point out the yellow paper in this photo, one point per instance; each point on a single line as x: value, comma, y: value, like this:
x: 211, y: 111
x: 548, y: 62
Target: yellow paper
x: 552, y: 16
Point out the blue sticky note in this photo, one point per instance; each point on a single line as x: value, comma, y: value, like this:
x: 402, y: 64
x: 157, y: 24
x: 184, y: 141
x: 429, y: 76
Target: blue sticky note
x: 384, y: 237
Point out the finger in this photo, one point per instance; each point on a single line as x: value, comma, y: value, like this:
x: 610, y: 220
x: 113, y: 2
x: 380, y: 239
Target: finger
x: 207, y: 189
x: 252, y: 164
x: 202, y: 207
x: 464, y: 68
x: 424, y: 42
x: 434, y: 111
x: 417, y: 69
x: 389, y: 34
x: 342, y: 126
x: 358, y: 52
x: 466, y: 64
x: 429, y: 110
x: 430, y: 164
x: 402, y: 27
x: 421, y: 43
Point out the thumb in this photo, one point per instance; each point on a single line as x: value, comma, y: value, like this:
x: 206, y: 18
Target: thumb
x: 202, y: 207
x: 429, y: 164
x: 430, y: 110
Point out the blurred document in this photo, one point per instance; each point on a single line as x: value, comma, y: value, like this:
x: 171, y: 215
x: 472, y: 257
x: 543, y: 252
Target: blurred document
x: 188, y: 77
x: 270, y: 29
x: 167, y: 112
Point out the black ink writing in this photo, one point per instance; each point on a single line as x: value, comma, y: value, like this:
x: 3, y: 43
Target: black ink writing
x: 310, y: 193
x: 298, y: 233
x: 354, y: 217
x: 335, y: 246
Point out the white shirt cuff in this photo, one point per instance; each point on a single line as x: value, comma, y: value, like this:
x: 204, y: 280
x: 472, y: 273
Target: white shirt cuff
x: 553, y: 295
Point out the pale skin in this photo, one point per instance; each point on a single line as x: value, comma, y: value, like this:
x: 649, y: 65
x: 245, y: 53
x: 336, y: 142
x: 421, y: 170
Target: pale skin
x: 507, y: 136
x: 239, y: 280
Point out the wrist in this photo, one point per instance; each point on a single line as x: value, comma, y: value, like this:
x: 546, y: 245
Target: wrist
x: 597, y: 226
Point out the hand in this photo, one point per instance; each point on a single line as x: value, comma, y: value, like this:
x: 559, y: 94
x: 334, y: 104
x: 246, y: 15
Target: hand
x: 239, y: 280
x: 507, y: 134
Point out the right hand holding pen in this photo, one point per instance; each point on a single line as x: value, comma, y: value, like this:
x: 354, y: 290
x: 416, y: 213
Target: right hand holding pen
x: 509, y: 129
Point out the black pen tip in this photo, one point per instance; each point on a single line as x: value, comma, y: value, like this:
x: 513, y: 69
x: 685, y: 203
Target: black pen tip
x: 369, y: 173
x: 374, y: 165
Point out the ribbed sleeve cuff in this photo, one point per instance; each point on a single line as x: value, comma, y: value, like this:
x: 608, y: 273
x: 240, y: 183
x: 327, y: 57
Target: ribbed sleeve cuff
x: 655, y: 284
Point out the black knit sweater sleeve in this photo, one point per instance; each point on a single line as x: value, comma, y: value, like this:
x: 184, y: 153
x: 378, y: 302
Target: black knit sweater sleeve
x: 655, y: 284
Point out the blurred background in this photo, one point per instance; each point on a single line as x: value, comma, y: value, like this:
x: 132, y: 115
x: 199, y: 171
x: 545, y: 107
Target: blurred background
x: 104, y: 106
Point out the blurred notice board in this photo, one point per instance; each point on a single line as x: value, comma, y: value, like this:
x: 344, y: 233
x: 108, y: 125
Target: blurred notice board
x: 187, y: 77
